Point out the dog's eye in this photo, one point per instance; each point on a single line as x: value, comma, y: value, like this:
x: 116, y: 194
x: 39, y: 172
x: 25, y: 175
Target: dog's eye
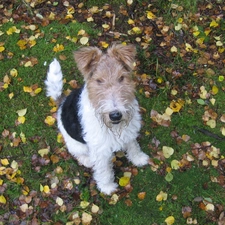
x: 121, y: 79
x: 99, y: 81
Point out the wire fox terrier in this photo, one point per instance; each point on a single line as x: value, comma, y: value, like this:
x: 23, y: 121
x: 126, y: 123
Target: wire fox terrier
x: 103, y: 116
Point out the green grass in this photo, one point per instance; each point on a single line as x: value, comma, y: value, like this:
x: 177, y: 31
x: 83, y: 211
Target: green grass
x: 187, y: 184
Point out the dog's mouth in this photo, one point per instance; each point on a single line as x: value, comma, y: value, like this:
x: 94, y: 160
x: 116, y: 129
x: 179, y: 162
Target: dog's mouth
x: 116, y: 122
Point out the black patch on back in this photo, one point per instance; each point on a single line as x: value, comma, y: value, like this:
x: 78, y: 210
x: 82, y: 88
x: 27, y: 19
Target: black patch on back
x: 70, y: 117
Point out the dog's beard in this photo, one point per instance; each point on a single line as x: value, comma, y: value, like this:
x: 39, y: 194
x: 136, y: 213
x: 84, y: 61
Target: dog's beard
x: 118, y: 126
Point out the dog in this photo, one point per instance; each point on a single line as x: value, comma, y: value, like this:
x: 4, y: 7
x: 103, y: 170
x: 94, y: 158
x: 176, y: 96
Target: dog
x: 101, y: 117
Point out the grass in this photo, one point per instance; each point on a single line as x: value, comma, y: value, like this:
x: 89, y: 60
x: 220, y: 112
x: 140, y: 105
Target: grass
x: 188, y: 184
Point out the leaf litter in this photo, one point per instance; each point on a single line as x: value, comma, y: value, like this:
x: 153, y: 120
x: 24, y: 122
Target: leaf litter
x: 144, y: 27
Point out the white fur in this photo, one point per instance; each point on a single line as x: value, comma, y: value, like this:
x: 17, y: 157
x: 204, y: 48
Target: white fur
x: 54, y: 81
x: 101, y: 142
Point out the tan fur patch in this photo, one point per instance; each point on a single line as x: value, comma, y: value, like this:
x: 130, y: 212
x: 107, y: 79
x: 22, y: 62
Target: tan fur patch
x: 108, y: 78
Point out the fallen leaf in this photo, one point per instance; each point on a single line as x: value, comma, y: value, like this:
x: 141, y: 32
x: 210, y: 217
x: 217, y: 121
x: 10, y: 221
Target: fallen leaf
x: 59, y: 201
x: 162, y: 196
x: 141, y: 195
x: 21, y: 112
x: 123, y: 181
x: 84, y: 40
x: 170, y: 220
x: 175, y: 164
x: 43, y: 152
x: 167, y: 151
x: 2, y: 199
x: 50, y: 120
x: 86, y: 218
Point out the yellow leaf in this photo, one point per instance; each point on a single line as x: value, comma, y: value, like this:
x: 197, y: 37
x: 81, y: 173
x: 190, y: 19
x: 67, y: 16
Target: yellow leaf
x: 59, y: 138
x: 84, y: 40
x: 4, y: 162
x: 130, y: 21
x: 51, y: 16
x: 219, y: 43
x: 203, y: 93
x: 86, y: 218
x: 1, y: 182
x: 25, y: 190
x: 210, y: 207
x: 2, y: 48
x: 84, y: 204
x: 173, y: 49
x: 221, y: 50
x: 59, y: 201
x: 58, y: 48
x: 50, y: 120
x: 214, y: 90
x: 43, y: 151
x: 169, y: 111
x: 123, y: 181
x: 211, y: 123
x: 196, y: 33
x: 178, y: 26
x: 207, y: 31
x: 176, y: 106
x: 21, y: 119
x: 214, y: 24
x: 114, y: 199
x: 104, y: 44
x: 21, y: 112
x: 23, y: 137
x: 170, y: 220
x: 13, y: 72
x: 27, y: 89
x: 174, y: 92
x: 46, y: 189
x: 2, y: 199
x: 81, y: 32
x: 38, y: 90
x: 90, y: 19
x: 212, y: 100
x: 22, y: 44
x: 141, y: 195
x: 162, y: 196
x: 14, y: 165
x: 175, y: 164
x: 12, y: 30
x: 136, y: 30
x: 28, y: 64
x: 167, y: 151
x: 105, y: 26
x: 94, y: 208
x: 159, y: 80
x: 150, y: 15
x: 188, y: 47
x: 222, y: 129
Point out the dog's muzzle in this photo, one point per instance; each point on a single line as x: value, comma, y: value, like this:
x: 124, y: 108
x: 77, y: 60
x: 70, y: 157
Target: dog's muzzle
x: 115, y: 117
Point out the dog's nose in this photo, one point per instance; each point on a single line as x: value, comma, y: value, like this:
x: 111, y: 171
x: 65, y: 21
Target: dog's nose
x: 115, y: 116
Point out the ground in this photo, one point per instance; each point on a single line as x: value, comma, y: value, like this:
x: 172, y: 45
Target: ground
x: 179, y: 76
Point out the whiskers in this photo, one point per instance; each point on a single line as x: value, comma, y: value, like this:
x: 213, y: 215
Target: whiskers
x: 115, y: 128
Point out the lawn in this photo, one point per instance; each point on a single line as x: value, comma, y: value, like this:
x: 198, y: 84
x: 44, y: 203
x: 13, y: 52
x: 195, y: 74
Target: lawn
x: 180, y: 85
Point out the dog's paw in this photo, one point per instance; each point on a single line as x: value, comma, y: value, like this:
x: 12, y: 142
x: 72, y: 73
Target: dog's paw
x: 85, y: 161
x: 107, y: 188
x: 140, y: 159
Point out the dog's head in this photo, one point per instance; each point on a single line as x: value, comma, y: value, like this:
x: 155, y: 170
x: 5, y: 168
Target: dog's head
x: 109, y: 81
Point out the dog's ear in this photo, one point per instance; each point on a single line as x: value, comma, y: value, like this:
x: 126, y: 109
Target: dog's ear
x: 87, y: 59
x: 124, y: 53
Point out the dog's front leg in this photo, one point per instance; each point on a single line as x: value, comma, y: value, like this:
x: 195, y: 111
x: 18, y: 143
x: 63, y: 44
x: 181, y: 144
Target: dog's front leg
x: 103, y: 172
x: 135, y: 155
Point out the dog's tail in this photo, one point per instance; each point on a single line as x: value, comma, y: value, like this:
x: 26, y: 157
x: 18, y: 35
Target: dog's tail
x: 54, y: 81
